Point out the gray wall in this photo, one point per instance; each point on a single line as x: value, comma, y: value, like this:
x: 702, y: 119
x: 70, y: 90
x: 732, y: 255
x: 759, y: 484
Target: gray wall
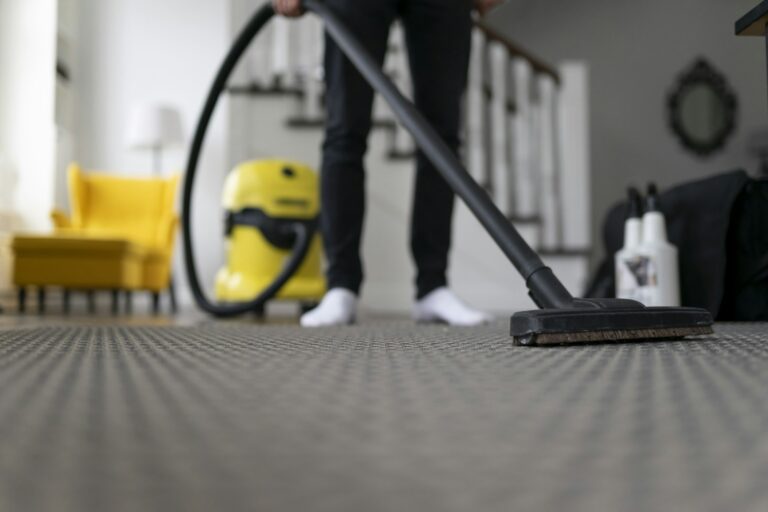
x: 635, y: 50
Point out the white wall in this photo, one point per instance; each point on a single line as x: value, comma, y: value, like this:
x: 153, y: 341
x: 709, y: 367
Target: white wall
x: 27, y: 86
x: 158, y: 51
x: 635, y: 51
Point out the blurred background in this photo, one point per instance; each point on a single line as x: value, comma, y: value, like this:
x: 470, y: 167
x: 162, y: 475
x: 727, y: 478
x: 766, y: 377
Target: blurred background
x: 568, y: 104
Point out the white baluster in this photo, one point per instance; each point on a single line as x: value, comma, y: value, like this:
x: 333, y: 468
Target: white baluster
x: 523, y: 123
x: 550, y: 194
x: 532, y: 208
x: 476, y: 110
x: 502, y: 183
x: 402, y: 142
x: 282, y: 52
x: 311, y: 66
x: 381, y: 110
x: 573, y: 140
x: 259, y: 59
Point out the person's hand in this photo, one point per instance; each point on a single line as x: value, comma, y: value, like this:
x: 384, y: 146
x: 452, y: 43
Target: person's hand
x: 290, y: 8
x: 483, y: 6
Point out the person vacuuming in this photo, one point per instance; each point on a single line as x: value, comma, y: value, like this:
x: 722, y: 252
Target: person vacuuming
x: 438, y: 37
x: 561, y: 319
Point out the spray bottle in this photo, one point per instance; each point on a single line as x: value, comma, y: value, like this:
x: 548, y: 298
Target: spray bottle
x: 659, y: 259
x: 627, y: 281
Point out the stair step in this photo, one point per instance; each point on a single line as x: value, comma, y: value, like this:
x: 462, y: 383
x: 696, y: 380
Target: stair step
x: 519, y: 219
x: 566, y: 252
x: 302, y: 123
x: 401, y: 155
x: 260, y: 90
x: 319, y: 123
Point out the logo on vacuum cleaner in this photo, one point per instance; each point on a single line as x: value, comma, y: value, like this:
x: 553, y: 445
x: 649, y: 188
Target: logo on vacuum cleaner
x: 286, y: 201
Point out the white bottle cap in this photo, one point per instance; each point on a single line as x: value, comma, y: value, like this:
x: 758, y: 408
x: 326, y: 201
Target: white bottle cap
x: 633, y: 233
x: 654, y: 228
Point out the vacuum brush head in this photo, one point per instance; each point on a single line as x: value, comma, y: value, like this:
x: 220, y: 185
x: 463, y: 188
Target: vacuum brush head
x: 600, y: 321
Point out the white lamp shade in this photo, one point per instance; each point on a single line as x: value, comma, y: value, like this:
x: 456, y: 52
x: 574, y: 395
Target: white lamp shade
x: 154, y: 126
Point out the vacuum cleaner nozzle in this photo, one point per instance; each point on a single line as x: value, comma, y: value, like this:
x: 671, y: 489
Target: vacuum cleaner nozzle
x: 607, y: 320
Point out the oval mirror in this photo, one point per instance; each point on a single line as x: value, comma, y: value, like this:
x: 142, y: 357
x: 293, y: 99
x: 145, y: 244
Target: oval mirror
x: 702, y: 109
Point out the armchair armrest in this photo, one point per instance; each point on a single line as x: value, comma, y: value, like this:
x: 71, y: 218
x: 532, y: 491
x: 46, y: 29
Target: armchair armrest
x: 167, y: 232
x: 60, y: 220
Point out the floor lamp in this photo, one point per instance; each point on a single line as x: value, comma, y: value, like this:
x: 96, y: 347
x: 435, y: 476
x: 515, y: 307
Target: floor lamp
x: 154, y: 128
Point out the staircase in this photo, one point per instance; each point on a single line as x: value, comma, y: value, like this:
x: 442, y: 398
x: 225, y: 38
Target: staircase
x: 519, y: 110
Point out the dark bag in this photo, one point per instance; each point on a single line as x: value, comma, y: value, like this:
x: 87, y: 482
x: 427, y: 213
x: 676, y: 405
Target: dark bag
x: 709, y: 221
x: 746, y: 284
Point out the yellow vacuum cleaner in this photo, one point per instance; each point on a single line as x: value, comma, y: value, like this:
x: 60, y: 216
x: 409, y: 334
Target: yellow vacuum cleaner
x: 264, y: 200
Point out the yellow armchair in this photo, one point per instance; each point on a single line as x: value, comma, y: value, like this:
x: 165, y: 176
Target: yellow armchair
x: 139, y: 210
x: 60, y: 220
x: 120, y: 236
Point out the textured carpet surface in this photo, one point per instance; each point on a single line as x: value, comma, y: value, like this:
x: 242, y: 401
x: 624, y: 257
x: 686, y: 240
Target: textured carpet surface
x: 381, y: 417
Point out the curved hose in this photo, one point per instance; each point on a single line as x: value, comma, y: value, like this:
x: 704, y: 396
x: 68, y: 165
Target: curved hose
x: 303, y: 233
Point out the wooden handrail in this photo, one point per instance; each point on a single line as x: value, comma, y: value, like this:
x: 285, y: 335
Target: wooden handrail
x: 517, y: 51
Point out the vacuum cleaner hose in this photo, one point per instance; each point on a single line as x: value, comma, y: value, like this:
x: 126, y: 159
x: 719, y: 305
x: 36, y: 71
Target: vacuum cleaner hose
x: 303, y: 232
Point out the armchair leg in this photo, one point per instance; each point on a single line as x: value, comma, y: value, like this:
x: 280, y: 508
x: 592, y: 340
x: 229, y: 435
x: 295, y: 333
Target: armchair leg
x: 155, y: 303
x: 172, y: 295
x: 66, y: 298
x: 115, y: 302
x: 91, y: 301
x: 22, y: 300
x: 128, y: 301
x: 41, y: 300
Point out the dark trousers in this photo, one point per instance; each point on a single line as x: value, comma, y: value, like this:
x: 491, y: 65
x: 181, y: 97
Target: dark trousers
x: 438, y: 38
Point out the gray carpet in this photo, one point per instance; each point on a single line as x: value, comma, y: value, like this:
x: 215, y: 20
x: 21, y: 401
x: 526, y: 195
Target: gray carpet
x: 382, y: 417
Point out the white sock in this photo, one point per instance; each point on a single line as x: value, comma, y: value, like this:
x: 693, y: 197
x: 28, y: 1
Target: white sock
x: 338, y: 307
x: 442, y: 305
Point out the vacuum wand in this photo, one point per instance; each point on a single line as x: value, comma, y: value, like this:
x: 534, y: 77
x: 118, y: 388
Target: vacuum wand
x: 546, y: 290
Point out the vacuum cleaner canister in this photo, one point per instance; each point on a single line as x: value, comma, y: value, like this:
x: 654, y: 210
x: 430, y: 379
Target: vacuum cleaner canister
x: 263, y: 201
